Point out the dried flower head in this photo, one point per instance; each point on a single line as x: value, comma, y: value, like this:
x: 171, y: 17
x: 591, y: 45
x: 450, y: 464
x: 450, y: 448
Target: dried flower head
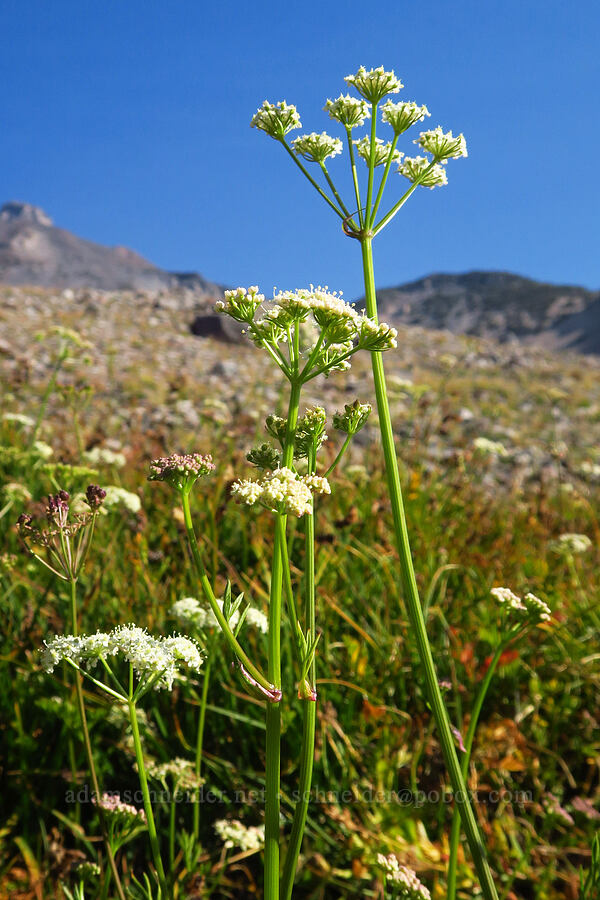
x: 349, y: 111
x: 402, y: 115
x: 353, y: 418
x: 181, y: 471
x: 282, y: 491
x: 382, y: 151
x: 317, y: 147
x: 276, y: 119
x: 374, y: 84
x: 420, y: 169
x: 442, y: 146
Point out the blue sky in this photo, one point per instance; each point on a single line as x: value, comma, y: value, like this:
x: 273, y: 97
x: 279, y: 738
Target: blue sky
x: 128, y: 122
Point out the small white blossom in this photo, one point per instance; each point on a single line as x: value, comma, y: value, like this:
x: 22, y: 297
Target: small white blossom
x: 505, y: 596
x: 350, y: 111
x: 402, y: 115
x: 281, y: 491
x: 317, y: 147
x: 276, y: 119
x: 406, y: 884
x: 18, y: 419
x: 118, y: 497
x: 115, y: 808
x: 191, y: 613
x: 103, y: 456
x: 374, y: 84
x: 530, y: 607
x: 241, y: 304
x: 43, y: 450
x: 382, y: 151
x: 180, y: 770
x: 442, y: 145
x: 414, y: 169
x: 149, y: 656
x: 246, y: 838
x: 491, y: 448
x: 257, y: 619
x: 571, y: 544
x: 376, y: 335
x: 537, y: 608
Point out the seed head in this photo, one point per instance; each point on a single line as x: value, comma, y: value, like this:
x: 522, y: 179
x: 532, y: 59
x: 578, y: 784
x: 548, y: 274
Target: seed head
x: 353, y: 418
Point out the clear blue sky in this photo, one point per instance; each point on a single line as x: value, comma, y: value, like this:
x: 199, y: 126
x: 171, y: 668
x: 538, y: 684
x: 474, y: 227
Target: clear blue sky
x: 128, y: 122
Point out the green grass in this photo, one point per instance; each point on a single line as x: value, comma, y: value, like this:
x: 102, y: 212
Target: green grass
x: 475, y: 522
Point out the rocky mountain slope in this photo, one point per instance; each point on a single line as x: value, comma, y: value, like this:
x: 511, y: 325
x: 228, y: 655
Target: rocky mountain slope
x: 498, y: 305
x: 34, y: 251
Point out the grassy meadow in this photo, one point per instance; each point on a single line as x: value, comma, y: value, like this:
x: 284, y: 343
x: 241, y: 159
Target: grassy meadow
x: 481, y: 514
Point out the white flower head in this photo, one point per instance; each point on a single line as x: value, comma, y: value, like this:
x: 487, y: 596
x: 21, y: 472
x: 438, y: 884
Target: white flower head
x: 246, y: 838
x: 374, y: 84
x: 402, y: 115
x: 530, y: 608
x: 570, y: 543
x: 490, y: 448
x: 349, y: 111
x: 282, y: 491
x: 442, y: 146
x: 104, y: 456
x: 241, y: 304
x: 382, y: 151
x: 276, y: 119
x: 317, y: 147
x: 404, y: 881
x: 505, y: 596
x: 420, y: 169
x: 117, y: 497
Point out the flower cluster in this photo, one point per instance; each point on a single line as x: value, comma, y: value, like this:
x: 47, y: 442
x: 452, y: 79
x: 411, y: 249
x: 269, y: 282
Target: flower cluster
x: 282, y: 491
x: 191, y: 613
x: 181, y: 471
x: 276, y: 119
x: 117, y: 810
x: 402, y: 880
x: 240, y: 304
x: 382, y: 151
x: 154, y: 660
x: 402, y: 115
x: 353, y: 418
x: 234, y: 834
x: 442, y: 146
x: 181, y: 771
x: 265, y: 457
x: 349, y: 111
x: 374, y: 84
x: 571, y: 544
x: 310, y: 432
x: 490, y: 448
x: 530, y: 608
x: 317, y: 147
x: 103, y: 456
x: 421, y: 170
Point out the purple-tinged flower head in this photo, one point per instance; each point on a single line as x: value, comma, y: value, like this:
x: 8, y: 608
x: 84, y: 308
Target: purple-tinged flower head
x: 94, y: 496
x: 181, y: 471
x: 57, y: 509
x: 115, y: 808
x: 24, y: 522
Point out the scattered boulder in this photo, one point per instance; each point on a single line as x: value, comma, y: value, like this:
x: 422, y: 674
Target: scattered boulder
x: 221, y: 328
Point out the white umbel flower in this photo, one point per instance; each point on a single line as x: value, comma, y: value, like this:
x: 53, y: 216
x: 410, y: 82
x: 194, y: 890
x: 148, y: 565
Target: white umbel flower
x: 282, y: 491
x: 402, y: 115
x: 414, y: 169
x: 374, y: 84
x: 404, y: 881
x: 570, y: 543
x: 276, y: 119
x: 246, y: 838
x: 530, y: 608
x: 442, y: 146
x: 349, y: 111
x: 317, y: 147
x: 382, y: 151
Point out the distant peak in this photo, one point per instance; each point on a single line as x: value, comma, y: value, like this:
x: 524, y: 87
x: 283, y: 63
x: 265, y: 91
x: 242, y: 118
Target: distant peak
x: 14, y: 211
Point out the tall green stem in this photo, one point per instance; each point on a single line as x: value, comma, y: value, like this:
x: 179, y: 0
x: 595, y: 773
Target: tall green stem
x: 413, y: 602
x: 139, y: 756
x: 468, y: 742
x: 200, y: 740
x: 88, y: 750
x: 308, y: 728
x: 273, y: 714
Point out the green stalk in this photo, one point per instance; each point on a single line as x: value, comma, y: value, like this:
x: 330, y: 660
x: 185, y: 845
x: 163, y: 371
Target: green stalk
x: 384, y: 177
x: 466, y: 759
x: 234, y: 644
x: 413, y: 602
x: 354, y: 176
x: 200, y: 741
x: 273, y: 713
x: 312, y: 180
x: 368, y: 216
x: 88, y: 750
x: 309, y: 722
x: 146, y: 794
